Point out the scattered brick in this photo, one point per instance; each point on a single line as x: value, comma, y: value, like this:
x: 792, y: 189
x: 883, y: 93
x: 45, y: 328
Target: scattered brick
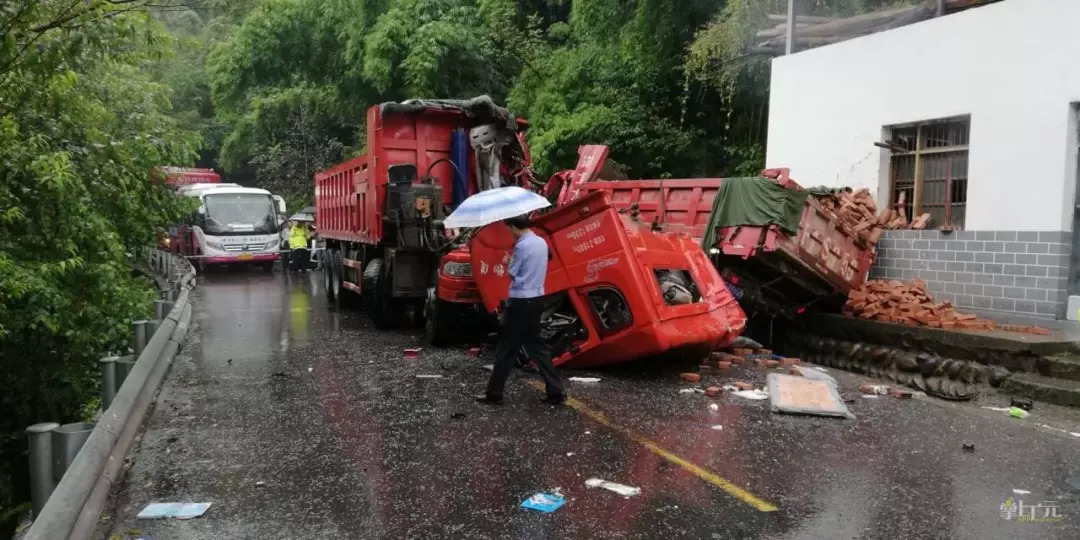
x: 690, y: 377
x: 873, y: 389
x: 742, y: 385
x: 772, y: 363
x: 901, y: 393
x: 764, y: 351
x: 742, y: 352
x: 794, y: 370
x: 714, y: 391
x: 790, y: 362
x: 722, y: 365
x: 738, y: 360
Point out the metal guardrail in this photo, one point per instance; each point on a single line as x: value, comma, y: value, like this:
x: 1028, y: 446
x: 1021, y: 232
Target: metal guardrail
x: 73, y: 467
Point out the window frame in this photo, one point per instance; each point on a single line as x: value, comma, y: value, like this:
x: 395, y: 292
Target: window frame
x: 919, y: 154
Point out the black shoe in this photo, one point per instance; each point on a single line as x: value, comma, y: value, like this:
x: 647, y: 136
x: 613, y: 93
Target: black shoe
x: 489, y: 400
x: 557, y: 399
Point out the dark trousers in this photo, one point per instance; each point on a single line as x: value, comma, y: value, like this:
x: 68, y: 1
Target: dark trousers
x: 299, y: 259
x: 521, y: 330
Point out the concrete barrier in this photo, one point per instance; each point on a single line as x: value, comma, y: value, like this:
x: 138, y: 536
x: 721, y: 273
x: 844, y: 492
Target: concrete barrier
x: 73, y: 508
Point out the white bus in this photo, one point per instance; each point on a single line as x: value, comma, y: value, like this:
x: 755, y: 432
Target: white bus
x: 233, y: 225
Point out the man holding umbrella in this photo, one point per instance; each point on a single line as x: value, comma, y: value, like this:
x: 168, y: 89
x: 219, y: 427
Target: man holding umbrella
x: 521, y: 318
x: 528, y: 270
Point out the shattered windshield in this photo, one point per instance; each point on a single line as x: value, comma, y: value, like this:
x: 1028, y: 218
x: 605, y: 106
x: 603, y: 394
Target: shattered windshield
x: 239, y: 213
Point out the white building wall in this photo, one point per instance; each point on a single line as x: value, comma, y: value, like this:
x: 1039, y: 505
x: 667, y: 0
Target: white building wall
x: 1011, y: 66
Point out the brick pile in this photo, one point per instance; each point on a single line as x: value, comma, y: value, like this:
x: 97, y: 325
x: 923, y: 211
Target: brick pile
x: 910, y: 303
x: 897, y: 219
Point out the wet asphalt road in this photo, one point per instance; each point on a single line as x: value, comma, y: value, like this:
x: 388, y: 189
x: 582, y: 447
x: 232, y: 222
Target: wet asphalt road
x: 300, y: 422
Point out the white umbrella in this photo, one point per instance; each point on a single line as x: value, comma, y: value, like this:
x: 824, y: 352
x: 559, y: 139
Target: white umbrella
x: 494, y: 205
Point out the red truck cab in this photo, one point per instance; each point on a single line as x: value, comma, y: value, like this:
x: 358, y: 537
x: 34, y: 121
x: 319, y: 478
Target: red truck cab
x: 617, y: 290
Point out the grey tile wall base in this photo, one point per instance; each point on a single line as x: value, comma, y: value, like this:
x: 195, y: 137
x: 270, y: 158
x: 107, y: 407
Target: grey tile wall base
x: 1021, y: 272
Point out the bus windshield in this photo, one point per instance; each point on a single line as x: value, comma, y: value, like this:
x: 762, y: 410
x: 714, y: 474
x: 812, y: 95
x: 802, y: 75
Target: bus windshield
x: 239, y: 213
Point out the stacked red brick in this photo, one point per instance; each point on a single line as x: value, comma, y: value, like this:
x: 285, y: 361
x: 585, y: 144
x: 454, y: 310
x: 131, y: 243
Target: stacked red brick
x: 908, y: 303
x: 897, y: 219
x: 856, y: 213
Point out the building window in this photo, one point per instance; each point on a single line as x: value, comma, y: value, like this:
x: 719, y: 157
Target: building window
x: 928, y: 170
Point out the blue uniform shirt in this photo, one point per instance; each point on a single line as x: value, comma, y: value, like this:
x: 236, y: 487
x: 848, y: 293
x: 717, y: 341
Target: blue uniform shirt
x: 528, y: 267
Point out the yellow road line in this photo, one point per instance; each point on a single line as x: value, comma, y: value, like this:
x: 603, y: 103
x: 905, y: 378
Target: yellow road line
x: 697, y: 470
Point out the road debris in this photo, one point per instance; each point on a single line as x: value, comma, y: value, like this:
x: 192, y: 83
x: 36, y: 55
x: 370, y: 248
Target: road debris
x: 713, y: 391
x: 585, y: 380
x: 1017, y: 412
x: 690, y: 377
x: 752, y: 394
x: 798, y: 395
x: 968, y: 447
x: 472, y: 351
x: 819, y: 368
x: 412, y: 353
x: 717, y: 427
x: 1021, y: 492
x: 743, y: 385
x: 173, y: 510
x: 1021, y: 403
x: 714, y: 407
x: 544, y: 502
x: 260, y: 483
x: 691, y: 391
x: 310, y: 369
x: 999, y: 409
x: 488, y: 367
x: 624, y: 490
x: 279, y: 375
x: 901, y: 393
x: 877, y: 389
x: 457, y: 415
x: 723, y: 364
x: 428, y: 376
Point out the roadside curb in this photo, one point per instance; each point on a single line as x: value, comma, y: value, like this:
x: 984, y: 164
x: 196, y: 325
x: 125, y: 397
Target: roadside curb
x: 73, y: 509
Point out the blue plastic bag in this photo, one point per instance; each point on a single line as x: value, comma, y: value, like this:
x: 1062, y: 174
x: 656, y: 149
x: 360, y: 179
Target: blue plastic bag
x: 544, y: 502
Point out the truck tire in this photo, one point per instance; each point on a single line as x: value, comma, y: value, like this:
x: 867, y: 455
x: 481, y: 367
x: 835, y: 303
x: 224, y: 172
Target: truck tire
x: 329, y: 276
x: 440, y: 324
x: 384, y: 310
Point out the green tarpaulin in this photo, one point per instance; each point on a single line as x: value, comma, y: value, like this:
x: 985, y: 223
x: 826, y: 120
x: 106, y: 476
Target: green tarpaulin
x: 756, y: 201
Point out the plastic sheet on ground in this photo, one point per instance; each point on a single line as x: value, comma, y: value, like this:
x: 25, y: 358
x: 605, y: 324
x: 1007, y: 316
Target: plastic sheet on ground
x: 587, y: 380
x: 621, y: 489
x: 799, y: 395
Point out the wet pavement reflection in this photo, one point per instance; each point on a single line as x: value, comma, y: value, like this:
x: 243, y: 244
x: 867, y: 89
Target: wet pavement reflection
x: 297, y: 421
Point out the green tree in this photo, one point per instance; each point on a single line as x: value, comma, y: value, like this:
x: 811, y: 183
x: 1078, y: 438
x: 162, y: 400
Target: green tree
x: 81, y: 126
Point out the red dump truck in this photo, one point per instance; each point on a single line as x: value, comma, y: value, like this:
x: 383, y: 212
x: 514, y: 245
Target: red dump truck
x: 770, y: 270
x: 381, y: 213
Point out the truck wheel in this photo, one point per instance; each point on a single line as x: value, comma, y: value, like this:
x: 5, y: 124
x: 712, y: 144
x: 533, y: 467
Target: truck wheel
x: 439, y: 320
x: 329, y: 277
x: 383, y: 309
x: 267, y: 266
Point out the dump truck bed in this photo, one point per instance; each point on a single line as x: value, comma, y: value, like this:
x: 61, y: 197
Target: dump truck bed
x: 821, y: 259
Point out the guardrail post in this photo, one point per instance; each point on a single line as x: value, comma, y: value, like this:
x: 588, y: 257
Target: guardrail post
x: 139, y: 336
x: 108, y: 381
x: 122, y: 365
x: 159, y: 310
x: 39, y: 440
x: 151, y: 328
x: 167, y: 308
x: 67, y: 440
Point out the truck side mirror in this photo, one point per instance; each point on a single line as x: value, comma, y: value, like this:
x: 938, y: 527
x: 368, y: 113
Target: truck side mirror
x: 280, y: 203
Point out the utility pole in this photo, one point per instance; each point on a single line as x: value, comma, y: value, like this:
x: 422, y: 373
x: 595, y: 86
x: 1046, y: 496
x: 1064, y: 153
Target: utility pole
x: 940, y: 8
x: 789, y: 45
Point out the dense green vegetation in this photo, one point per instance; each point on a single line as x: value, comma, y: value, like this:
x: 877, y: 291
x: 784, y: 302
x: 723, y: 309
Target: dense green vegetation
x: 94, y: 93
